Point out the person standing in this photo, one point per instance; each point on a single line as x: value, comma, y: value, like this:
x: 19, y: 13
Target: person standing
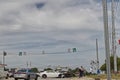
x: 81, y: 71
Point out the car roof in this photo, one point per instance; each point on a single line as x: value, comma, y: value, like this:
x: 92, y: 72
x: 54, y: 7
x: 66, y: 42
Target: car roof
x: 25, y: 68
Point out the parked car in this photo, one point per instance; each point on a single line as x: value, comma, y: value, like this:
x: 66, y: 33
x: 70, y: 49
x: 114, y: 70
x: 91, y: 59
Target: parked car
x: 25, y: 74
x: 67, y: 74
x: 51, y: 73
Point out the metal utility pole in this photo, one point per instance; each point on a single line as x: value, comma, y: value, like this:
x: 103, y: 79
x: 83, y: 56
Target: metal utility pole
x: 3, y: 59
x: 97, y: 54
x: 106, y: 37
x: 113, y: 36
x: 27, y: 64
x: 4, y: 54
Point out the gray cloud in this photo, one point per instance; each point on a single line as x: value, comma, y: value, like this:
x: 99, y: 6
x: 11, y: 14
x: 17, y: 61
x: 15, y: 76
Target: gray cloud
x: 50, y: 25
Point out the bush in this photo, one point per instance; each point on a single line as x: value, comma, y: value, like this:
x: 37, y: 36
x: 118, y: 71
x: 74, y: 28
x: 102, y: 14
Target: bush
x: 34, y: 69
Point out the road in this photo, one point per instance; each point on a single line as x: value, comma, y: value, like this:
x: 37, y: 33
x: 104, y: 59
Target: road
x: 84, y: 78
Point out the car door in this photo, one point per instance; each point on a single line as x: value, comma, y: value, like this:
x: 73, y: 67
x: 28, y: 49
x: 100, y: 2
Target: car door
x: 32, y: 74
x: 52, y: 74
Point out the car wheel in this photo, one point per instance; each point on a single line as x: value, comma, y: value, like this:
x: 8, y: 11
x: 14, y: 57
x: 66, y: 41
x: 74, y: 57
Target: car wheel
x: 7, y: 76
x: 44, y: 76
x: 63, y: 76
x: 60, y: 76
x: 16, y: 79
x: 28, y: 78
x: 36, y: 78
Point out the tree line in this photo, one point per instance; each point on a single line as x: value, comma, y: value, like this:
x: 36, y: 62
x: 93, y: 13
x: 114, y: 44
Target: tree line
x: 103, y: 67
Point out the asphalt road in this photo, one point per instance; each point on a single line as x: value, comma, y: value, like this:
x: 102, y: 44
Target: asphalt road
x: 84, y: 78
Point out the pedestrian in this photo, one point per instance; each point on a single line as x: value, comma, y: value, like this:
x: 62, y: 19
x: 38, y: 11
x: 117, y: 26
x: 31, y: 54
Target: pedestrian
x: 81, y: 72
x: 98, y: 71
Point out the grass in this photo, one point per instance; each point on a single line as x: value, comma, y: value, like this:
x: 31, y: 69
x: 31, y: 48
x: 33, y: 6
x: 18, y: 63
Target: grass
x: 104, y: 76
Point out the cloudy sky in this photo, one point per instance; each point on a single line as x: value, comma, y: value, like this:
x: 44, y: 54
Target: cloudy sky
x: 53, y: 26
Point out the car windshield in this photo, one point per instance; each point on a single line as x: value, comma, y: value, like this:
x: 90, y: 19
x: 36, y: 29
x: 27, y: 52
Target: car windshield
x: 22, y: 70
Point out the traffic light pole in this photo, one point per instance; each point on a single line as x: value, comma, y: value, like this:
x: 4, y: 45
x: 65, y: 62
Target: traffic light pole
x: 3, y: 59
x: 106, y: 37
x: 4, y: 54
x: 97, y: 54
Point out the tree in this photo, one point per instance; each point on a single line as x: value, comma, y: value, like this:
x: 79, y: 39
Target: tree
x: 35, y: 69
x: 103, y: 67
x: 48, y: 69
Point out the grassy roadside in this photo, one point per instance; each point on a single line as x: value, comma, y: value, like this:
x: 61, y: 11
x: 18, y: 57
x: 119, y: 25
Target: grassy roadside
x: 104, y: 76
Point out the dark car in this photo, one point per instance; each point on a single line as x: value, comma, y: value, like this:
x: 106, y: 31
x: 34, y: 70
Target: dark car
x: 67, y: 74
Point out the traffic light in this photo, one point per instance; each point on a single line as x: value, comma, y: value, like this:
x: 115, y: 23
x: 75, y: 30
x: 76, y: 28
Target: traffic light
x: 74, y: 50
x: 4, y: 53
x: 24, y: 53
x: 69, y: 50
x: 20, y: 53
x: 119, y: 41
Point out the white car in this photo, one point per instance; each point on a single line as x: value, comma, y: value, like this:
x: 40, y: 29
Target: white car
x: 50, y: 73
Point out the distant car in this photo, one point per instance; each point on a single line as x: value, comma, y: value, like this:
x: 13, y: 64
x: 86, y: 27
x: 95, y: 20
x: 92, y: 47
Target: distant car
x: 25, y: 74
x: 50, y: 73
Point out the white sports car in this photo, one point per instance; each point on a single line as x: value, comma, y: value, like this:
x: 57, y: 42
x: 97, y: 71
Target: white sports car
x: 51, y: 73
